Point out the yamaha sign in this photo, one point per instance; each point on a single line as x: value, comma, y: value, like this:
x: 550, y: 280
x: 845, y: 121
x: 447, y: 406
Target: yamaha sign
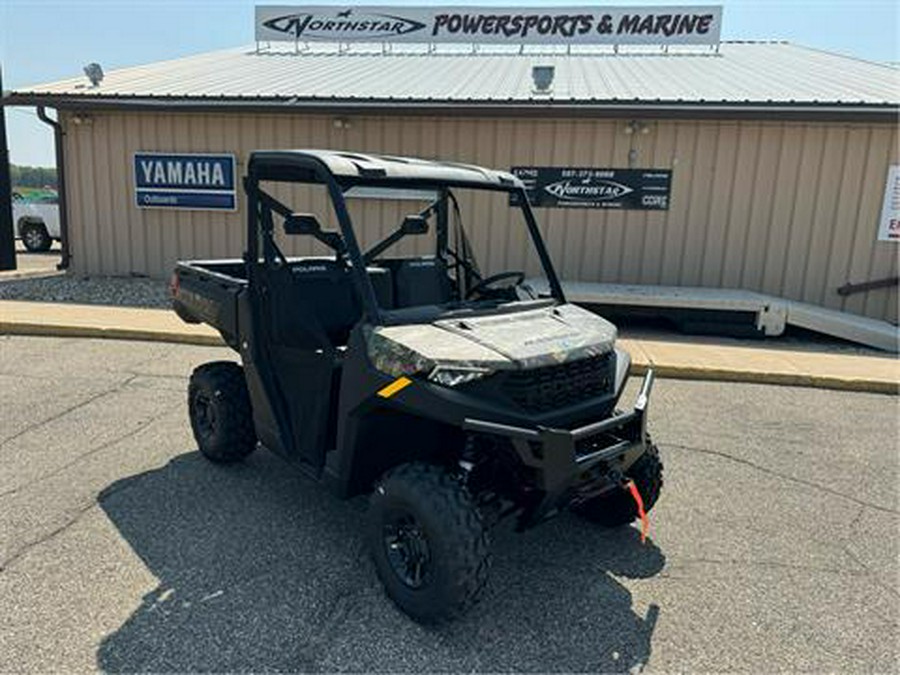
x: 662, y: 25
x: 185, y: 181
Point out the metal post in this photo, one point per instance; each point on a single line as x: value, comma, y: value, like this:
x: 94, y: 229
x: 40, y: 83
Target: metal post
x: 7, y: 234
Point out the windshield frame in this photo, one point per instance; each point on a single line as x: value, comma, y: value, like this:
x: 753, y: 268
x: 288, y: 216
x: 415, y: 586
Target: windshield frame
x: 318, y: 173
x: 443, y: 221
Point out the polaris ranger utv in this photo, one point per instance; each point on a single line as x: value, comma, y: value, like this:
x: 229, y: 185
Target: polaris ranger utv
x: 452, y: 398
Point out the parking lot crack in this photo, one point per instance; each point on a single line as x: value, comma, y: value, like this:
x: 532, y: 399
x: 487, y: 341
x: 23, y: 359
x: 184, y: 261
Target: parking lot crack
x: 24, y: 550
x: 847, y: 550
x: 158, y: 376
x: 853, y: 523
x: 93, y: 451
x: 783, y: 476
x: 845, y: 547
x: 341, y: 606
x: 764, y: 564
x: 62, y: 413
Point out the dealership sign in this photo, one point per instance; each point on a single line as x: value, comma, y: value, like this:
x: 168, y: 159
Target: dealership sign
x: 185, y: 181
x: 559, y: 187
x: 889, y: 227
x: 659, y: 25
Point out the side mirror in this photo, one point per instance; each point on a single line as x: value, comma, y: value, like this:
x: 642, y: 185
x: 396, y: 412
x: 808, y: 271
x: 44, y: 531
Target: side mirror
x: 414, y: 225
x: 302, y: 223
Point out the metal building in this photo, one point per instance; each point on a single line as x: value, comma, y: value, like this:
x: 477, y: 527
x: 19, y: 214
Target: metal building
x: 778, y: 153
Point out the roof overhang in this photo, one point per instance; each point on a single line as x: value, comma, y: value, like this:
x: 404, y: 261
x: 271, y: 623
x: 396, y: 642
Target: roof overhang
x: 766, y: 110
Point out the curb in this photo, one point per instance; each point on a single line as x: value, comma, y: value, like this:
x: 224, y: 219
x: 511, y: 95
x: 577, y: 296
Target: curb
x: 109, y: 333
x: 662, y: 370
x: 779, y: 379
x: 20, y: 275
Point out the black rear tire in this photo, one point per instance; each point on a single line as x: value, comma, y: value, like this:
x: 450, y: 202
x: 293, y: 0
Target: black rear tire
x: 220, y: 412
x: 35, y: 237
x: 617, y: 508
x: 429, y: 543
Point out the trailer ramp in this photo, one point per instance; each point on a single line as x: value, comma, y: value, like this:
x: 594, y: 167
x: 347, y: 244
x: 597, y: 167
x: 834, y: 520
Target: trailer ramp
x: 732, y: 311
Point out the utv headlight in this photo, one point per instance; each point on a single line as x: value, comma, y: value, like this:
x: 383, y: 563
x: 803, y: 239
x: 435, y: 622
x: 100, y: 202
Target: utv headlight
x: 395, y: 359
x: 453, y: 376
x: 389, y: 355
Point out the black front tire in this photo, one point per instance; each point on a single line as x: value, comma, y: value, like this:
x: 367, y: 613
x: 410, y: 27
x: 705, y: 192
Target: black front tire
x: 617, y: 508
x: 220, y: 412
x: 447, y: 542
x: 35, y: 237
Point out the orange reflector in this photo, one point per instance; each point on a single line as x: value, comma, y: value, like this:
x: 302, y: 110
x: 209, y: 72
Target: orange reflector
x: 645, y: 522
x: 394, y: 387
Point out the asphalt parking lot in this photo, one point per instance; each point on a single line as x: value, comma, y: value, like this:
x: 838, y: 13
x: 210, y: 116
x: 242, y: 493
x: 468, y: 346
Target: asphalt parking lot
x: 29, y: 264
x: 774, y: 546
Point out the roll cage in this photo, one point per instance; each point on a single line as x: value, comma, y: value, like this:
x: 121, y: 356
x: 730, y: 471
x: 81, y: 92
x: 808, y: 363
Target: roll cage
x: 339, y: 172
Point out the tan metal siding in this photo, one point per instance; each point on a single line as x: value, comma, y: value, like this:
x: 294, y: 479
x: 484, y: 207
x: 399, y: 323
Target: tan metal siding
x: 787, y: 208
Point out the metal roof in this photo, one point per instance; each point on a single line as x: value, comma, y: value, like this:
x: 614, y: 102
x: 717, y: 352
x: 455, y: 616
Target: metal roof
x: 738, y: 74
x: 389, y: 168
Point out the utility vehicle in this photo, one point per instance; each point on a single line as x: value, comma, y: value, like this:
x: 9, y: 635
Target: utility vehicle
x: 452, y: 398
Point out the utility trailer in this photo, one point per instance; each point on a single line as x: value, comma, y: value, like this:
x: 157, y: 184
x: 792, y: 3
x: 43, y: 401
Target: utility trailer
x: 453, y: 399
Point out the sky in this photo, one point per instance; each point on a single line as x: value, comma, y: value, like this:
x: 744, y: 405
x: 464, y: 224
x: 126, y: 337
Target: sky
x: 48, y: 40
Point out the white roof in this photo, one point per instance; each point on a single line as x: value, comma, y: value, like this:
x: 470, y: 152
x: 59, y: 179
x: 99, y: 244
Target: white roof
x: 390, y: 167
x: 768, y: 74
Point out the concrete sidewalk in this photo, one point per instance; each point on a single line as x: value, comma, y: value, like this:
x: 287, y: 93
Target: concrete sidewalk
x: 101, y: 321
x: 675, y: 357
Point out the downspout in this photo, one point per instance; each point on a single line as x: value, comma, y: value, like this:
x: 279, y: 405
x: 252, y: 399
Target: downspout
x: 59, y: 141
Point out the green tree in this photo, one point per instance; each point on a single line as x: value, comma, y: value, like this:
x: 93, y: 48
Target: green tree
x: 32, y: 176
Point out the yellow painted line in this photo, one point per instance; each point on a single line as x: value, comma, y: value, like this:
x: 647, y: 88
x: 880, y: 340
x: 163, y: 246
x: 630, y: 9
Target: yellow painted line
x: 394, y: 387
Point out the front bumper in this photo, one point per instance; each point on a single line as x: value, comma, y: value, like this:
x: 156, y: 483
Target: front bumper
x: 563, y: 459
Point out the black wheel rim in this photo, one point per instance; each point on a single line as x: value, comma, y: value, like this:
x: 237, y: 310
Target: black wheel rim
x: 204, y: 416
x: 33, y: 238
x: 407, y: 549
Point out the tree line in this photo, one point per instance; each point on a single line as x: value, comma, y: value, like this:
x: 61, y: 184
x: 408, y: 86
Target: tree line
x: 32, y: 176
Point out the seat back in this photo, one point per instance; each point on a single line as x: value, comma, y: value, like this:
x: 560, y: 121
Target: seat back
x: 319, y: 292
x: 419, y: 281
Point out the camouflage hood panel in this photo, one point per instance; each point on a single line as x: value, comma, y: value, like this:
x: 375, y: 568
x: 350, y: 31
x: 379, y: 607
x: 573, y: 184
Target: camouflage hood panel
x: 527, y: 339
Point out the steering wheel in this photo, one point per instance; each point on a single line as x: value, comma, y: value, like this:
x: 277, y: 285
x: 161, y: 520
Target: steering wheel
x: 486, y: 284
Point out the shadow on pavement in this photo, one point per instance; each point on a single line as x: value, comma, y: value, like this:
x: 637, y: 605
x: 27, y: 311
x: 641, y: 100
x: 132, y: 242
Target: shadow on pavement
x: 260, y: 569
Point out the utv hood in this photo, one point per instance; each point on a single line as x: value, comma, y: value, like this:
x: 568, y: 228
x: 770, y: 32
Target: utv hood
x: 514, y: 340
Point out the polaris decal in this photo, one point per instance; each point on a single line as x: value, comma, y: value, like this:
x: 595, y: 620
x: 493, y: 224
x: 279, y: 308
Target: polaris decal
x: 558, y: 187
x: 698, y: 25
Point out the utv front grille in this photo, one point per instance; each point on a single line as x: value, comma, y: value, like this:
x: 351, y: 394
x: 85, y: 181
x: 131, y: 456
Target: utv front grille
x: 552, y: 387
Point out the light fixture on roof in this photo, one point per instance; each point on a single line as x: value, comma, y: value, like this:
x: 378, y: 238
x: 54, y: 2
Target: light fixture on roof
x: 542, y: 76
x: 94, y: 73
